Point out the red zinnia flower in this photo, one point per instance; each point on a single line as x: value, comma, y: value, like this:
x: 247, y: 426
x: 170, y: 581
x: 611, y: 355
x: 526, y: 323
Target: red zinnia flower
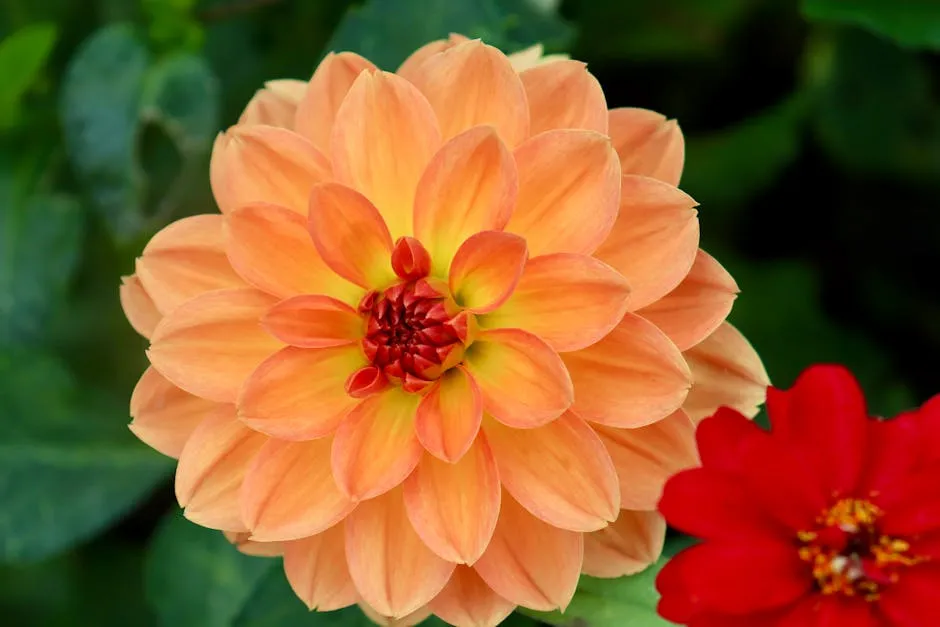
x: 832, y: 518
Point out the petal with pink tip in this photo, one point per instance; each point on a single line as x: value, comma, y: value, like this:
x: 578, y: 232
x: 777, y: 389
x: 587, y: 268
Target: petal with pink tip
x: 317, y: 572
x: 486, y: 269
x: 467, y: 600
x: 627, y: 546
x: 449, y: 415
x: 648, y: 144
x: 139, y: 308
x: 275, y: 104
x: 410, y: 68
x: 314, y: 321
x: 563, y: 94
x: 164, y: 415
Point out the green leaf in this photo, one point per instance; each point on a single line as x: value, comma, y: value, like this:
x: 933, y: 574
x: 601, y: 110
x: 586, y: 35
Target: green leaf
x: 914, y: 23
x: 22, y: 57
x: 182, y: 95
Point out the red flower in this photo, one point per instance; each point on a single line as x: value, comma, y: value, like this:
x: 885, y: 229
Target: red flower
x: 830, y: 519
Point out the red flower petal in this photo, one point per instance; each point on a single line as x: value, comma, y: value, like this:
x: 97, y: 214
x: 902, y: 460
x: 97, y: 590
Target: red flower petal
x: 830, y: 611
x: 721, y: 438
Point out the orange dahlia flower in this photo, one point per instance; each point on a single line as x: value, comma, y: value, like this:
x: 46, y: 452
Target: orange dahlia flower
x: 437, y: 348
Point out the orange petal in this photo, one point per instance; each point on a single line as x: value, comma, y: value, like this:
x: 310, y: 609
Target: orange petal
x: 393, y: 569
x: 449, y: 415
x: 469, y: 186
x: 625, y: 547
x: 184, y: 260
x: 569, y: 190
x: 533, y: 56
x: 210, y: 344
x: 351, y: 236
x: 472, y: 84
x: 270, y: 247
x: 632, y: 377
x: 275, y: 104
x: 523, y: 381
x: 376, y: 447
x: 646, y: 457
x: 410, y: 68
x: 563, y: 94
x: 560, y: 472
x: 314, y: 321
x: 256, y: 549
x: 164, y: 415
x: 654, y: 240
x: 265, y: 164
x: 212, y: 468
x: 324, y: 94
x: 414, y: 618
x: 648, y: 144
x: 289, y: 491
x: 694, y: 309
x: 384, y: 136
x: 726, y: 370
x: 300, y: 394
x: 454, y: 506
x: 316, y: 569
x: 138, y: 306
x: 466, y: 600
x: 486, y: 269
x: 530, y: 562
x: 570, y: 301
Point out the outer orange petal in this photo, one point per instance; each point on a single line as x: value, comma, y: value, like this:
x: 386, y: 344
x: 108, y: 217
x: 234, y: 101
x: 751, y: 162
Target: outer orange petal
x: 253, y: 163
x: 210, y: 344
x: 655, y: 239
x: 563, y: 94
x: 523, y: 380
x: 648, y: 144
x: 632, y: 377
x: 316, y: 569
x: 569, y: 190
x: 472, y: 84
x: 469, y: 186
x: 186, y: 259
x: 256, y: 549
x: 449, y: 415
x: 570, y: 301
x: 212, y: 467
x: 646, y: 457
x: 393, y: 569
x: 275, y: 104
x: 530, y: 562
x: 289, y: 491
x: 486, y: 269
x: 164, y: 415
x: 300, y: 394
x: 314, y: 321
x: 384, y: 136
x: 414, y: 618
x: 138, y: 306
x: 692, y: 311
x: 454, y: 507
x: 469, y: 602
x: 324, y: 94
x: 270, y: 247
x: 376, y: 447
x: 625, y: 547
x: 409, y: 69
x: 560, y: 472
x: 726, y: 370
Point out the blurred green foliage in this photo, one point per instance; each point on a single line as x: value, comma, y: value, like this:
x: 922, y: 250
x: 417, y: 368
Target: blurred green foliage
x: 813, y: 146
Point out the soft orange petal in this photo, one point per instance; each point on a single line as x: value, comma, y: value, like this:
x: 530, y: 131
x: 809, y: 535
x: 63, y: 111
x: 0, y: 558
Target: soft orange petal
x: 449, y: 415
x: 523, y: 381
x: 384, y: 136
x: 486, y: 269
x: 414, y: 618
x: 270, y: 247
x: 393, y: 569
x: 472, y: 84
x: 410, y: 68
x: 560, y: 472
x: 212, y: 468
x: 630, y: 544
x: 139, y: 308
x: 469, y: 186
x: 569, y: 190
x: 530, y: 562
x: 324, y: 94
x: 289, y: 491
x: 300, y: 394
x: 314, y: 321
x: 275, y: 104
x: 454, y: 506
x: 376, y: 446
x: 317, y: 572
x: 563, y: 94
x: 648, y: 144
x: 726, y: 370
x: 632, y: 377
x: 466, y: 600
x: 654, y: 240
x: 184, y: 260
x: 164, y: 415
x: 241, y: 542
x: 646, y: 457
x: 694, y: 309
x: 210, y: 344
x: 254, y: 163
x: 570, y: 301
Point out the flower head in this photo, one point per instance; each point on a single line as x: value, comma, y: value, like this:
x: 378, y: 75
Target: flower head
x: 437, y: 348
x: 831, y: 518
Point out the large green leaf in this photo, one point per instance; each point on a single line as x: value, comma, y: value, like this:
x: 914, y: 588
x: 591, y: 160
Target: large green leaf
x: 913, y: 23
x: 22, y: 56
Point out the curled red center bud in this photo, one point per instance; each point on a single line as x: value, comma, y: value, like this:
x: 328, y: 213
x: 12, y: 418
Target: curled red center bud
x: 410, y: 260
